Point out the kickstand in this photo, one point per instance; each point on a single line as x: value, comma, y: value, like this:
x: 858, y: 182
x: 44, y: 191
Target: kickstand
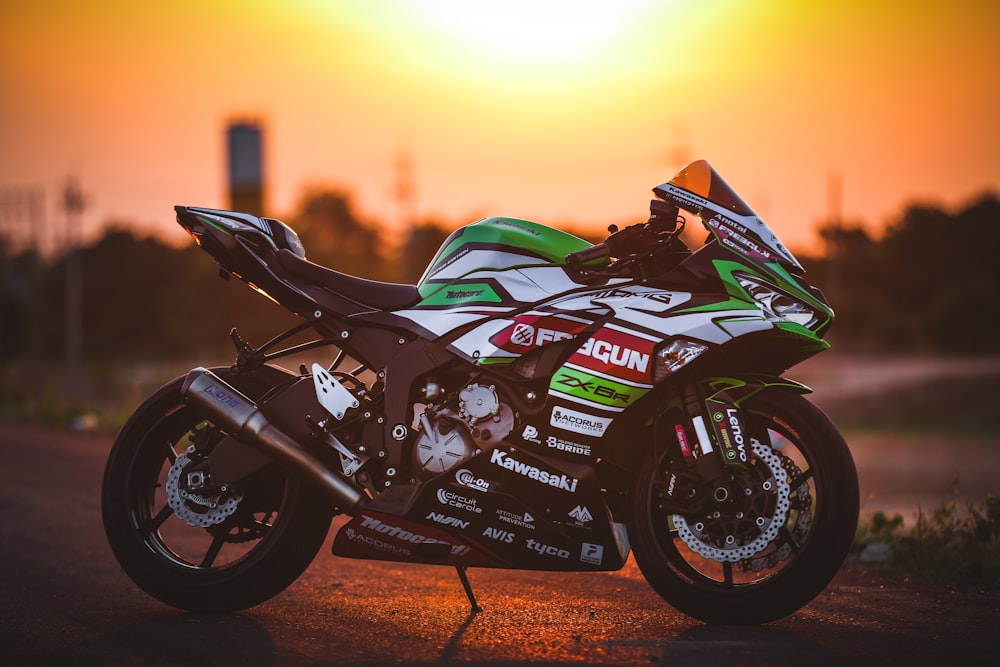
x: 468, y: 589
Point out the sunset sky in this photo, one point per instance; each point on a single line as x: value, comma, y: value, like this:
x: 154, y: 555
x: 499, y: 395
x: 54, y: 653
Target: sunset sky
x: 560, y: 112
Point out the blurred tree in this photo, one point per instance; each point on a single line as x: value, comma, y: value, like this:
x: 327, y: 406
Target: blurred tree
x: 942, y: 277
x: 142, y: 299
x: 845, y: 275
x: 914, y: 253
x: 13, y: 305
x: 931, y: 283
x: 336, y: 238
x: 421, y: 244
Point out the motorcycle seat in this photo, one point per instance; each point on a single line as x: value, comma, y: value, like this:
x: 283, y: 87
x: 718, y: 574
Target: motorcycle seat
x: 378, y: 295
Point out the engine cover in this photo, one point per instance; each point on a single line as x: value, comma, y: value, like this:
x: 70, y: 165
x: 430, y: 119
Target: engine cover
x: 443, y: 443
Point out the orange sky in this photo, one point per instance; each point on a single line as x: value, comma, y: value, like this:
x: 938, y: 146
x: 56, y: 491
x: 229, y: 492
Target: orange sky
x: 559, y: 112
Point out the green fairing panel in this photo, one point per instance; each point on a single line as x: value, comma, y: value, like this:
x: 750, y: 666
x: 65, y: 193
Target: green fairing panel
x: 507, y: 242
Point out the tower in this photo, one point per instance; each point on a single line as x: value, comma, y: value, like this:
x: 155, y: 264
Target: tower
x: 245, y: 152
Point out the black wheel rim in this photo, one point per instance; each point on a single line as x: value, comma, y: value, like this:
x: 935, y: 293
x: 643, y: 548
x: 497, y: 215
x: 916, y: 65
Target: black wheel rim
x: 212, y: 549
x: 725, y: 570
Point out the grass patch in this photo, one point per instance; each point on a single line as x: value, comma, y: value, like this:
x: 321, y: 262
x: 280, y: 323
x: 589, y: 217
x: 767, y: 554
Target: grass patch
x: 92, y: 396
x: 951, y: 544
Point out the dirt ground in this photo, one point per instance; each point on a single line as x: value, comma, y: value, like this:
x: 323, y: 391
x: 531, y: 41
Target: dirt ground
x: 66, y: 602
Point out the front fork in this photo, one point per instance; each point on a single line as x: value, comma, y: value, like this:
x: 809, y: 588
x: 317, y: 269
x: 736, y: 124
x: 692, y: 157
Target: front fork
x: 713, y: 441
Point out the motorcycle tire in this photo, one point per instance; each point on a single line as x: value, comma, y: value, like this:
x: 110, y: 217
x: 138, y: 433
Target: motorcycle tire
x: 270, y: 536
x: 729, y: 565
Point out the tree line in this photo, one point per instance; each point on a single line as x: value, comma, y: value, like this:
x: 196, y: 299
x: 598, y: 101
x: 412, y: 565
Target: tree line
x: 930, y: 283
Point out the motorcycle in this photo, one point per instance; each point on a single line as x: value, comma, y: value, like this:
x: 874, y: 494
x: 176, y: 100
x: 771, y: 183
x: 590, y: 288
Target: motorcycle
x: 534, y: 402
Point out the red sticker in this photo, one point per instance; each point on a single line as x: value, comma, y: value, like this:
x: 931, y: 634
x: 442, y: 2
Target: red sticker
x: 617, y: 354
x: 530, y: 331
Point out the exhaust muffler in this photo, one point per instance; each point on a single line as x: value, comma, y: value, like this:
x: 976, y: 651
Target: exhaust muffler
x: 241, y: 418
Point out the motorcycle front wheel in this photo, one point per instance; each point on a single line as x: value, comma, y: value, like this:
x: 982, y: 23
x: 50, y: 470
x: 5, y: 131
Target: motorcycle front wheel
x: 211, y: 551
x: 766, y: 552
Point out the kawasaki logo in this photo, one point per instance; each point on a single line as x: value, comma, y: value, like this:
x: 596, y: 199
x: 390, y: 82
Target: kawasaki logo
x: 531, y: 472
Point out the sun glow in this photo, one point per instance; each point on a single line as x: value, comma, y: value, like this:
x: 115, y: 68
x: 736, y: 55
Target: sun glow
x: 536, y: 31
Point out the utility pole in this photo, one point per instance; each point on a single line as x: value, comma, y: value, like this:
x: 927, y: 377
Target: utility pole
x: 405, y: 192
x: 20, y: 205
x: 73, y: 204
x: 835, y: 229
x: 21, y: 226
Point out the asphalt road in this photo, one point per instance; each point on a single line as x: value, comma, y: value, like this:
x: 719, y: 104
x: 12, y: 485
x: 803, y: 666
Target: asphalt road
x: 63, y: 601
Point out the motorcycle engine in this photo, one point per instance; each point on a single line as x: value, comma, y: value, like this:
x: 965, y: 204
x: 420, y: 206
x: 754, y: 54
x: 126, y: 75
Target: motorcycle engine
x: 467, y: 423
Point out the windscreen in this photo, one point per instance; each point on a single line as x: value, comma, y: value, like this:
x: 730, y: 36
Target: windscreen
x: 699, y: 189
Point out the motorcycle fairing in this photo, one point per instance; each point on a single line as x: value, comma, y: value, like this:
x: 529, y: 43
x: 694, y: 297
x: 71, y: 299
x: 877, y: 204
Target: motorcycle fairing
x: 507, y: 507
x: 499, y: 243
x: 372, y: 535
x: 494, y: 265
x: 611, y: 371
x: 484, y: 293
x: 528, y: 331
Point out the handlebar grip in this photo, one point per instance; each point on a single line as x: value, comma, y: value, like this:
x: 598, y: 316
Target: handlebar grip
x: 599, y: 251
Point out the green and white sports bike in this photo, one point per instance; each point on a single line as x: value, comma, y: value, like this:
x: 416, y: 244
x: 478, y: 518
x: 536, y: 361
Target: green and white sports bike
x: 535, y: 402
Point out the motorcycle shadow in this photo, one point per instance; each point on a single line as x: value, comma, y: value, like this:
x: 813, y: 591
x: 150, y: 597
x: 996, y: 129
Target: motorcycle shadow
x: 737, y: 646
x: 454, y: 644
x: 182, y: 639
x: 233, y: 639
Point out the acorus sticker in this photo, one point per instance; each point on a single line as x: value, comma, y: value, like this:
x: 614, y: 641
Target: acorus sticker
x: 579, y: 422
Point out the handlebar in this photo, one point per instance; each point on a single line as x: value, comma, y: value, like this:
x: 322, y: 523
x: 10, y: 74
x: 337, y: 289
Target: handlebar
x: 599, y: 251
x: 619, y: 244
x: 625, y: 244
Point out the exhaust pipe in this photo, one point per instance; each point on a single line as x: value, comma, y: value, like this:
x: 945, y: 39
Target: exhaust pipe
x: 241, y: 418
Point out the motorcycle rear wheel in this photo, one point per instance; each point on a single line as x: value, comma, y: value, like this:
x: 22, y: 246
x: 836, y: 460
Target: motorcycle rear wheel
x: 804, y: 483
x: 268, y: 539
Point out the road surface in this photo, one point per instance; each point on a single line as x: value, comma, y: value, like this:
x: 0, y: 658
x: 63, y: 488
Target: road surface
x: 64, y: 601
